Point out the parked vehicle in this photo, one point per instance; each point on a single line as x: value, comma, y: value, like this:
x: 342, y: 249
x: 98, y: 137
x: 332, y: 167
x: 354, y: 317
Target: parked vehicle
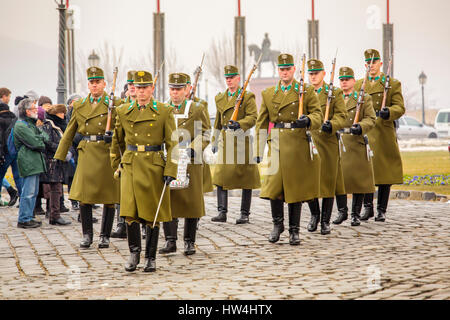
x: 442, y: 123
x: 410, y: 128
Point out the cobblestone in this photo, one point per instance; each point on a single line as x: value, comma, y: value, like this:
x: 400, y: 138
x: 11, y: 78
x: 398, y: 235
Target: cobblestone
x: 406, y: 257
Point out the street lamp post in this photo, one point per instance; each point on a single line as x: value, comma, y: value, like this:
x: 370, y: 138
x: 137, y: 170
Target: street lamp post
x: 93, y: 59
x: 422, y: 81
x: 61, y: 86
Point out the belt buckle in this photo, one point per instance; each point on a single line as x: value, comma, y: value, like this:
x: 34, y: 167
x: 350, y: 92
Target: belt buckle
x: 141, y: 148
x: 288, y: 125
x: 93, y: 138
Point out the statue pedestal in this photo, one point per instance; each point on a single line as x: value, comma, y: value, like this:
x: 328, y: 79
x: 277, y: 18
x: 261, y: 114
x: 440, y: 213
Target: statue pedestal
x: 257, y: 85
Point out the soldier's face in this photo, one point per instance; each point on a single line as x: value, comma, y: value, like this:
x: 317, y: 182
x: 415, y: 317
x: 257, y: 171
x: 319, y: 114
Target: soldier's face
x: 144, y: 94
x: 96, y: 87
x: 375, y: 68
x: 131, y: 90
x: 316, y: 78
x: 177, y: 95
x: 233, y: 82
x: 347, y: 84
x: 286, y: 74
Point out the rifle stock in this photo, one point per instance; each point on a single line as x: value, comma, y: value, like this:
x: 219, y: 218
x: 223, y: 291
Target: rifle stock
x: 197, y: 76
x: 240, y: 97
x: 302, y: 87
x: 330, y: 92
x: 361, y: 93
x: 111, y: 101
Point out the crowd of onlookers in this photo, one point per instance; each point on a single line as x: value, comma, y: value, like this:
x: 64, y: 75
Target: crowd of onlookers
x: 29, y: 138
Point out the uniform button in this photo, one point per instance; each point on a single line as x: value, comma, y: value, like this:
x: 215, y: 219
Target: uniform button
x: 87, y: 123
x: 101, y: 115
x: 131, y: 126
x: 281, y: 130
x: 279, y: 114
x: 99, y: 123
x: 136, y: 154
x: 351, y: 118
x: 135, y: 134
x: 148, y: 134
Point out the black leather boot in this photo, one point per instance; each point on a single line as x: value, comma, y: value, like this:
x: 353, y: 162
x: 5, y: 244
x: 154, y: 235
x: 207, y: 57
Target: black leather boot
x: 383, y: 199
x: 222, y: 205
x: 368, y: 207
x: 278, y: 220
x: 190, y: 230
x: 341, y: 202
x: 106, y: 226
x: 294, y: 223
x: 86, y: 225
x: 315, y: 215
x: 13, y: 196
x: 170, y: 233
x: 121, y: 231
x: 327, y: 208
x: 245, y: 206
x: 151, y: 244
x: 134, y: 244
x: 357, y: 203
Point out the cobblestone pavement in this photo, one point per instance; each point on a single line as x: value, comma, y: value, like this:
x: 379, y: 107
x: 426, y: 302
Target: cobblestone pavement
x: 407, y: 257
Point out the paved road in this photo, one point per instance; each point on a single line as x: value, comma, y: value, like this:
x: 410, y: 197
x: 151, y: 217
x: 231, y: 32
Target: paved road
x: 407, y: 257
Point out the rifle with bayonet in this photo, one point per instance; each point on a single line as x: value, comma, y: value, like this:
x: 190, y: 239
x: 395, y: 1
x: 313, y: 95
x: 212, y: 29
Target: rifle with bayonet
x: 359, y: 104
x: 330, y: 91
x: 197, y: 73
x: 312, y: 146
x: 108, y: 132
x: 240, y: 97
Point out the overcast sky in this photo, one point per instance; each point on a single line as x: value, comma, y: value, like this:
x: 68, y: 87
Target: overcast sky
x: 29, y: 35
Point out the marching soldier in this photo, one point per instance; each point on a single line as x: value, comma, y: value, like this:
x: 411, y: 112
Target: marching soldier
x: 131, y: 90
x: 93, y: 181
x: 387, y: 162
x: 121, y: 231
x: 297, y: 176
x: 328, y: 146
x: 207, y: 178
x: 356, y: 161
x: 142, y: 127
x: 242, y: 172
x: 187, y: 203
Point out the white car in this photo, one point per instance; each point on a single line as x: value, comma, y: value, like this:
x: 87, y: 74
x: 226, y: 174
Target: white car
x: 442, y: 123
x: 410, y: 128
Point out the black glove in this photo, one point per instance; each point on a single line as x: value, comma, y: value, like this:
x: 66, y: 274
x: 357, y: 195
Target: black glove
x: 234, y: 125
x: 327, y: 127
x: 257, y: 159
x: 214, y: 149
x: 168, y: 179
x: 191, y: 152
x: 303, y: 122
x: 108, y: 137
x: 356, y: 129
x: 384, y: 113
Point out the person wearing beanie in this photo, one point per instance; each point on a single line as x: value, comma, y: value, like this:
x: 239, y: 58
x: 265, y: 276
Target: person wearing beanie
x: 54, y: 125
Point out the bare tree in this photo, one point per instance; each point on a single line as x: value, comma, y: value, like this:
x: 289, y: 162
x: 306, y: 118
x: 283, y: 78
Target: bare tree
x: 110, y: 57
x: 220, y: 54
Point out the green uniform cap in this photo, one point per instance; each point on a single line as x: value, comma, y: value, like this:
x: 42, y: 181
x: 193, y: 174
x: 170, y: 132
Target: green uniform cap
x: 231, y: 71
x: 315, y: 65
x: 188, y: 78
x: 177, y: 80
x: 142, y: 79
x: 130, y: 76
x: 346, y: 72
x: 285, y: 60
x: 95, y: 73
x: 371, y: 52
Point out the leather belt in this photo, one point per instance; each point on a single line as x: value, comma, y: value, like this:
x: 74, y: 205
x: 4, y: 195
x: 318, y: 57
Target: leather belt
x: 94, y: 138
x: 285, y: 125
x: 142, y: 148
